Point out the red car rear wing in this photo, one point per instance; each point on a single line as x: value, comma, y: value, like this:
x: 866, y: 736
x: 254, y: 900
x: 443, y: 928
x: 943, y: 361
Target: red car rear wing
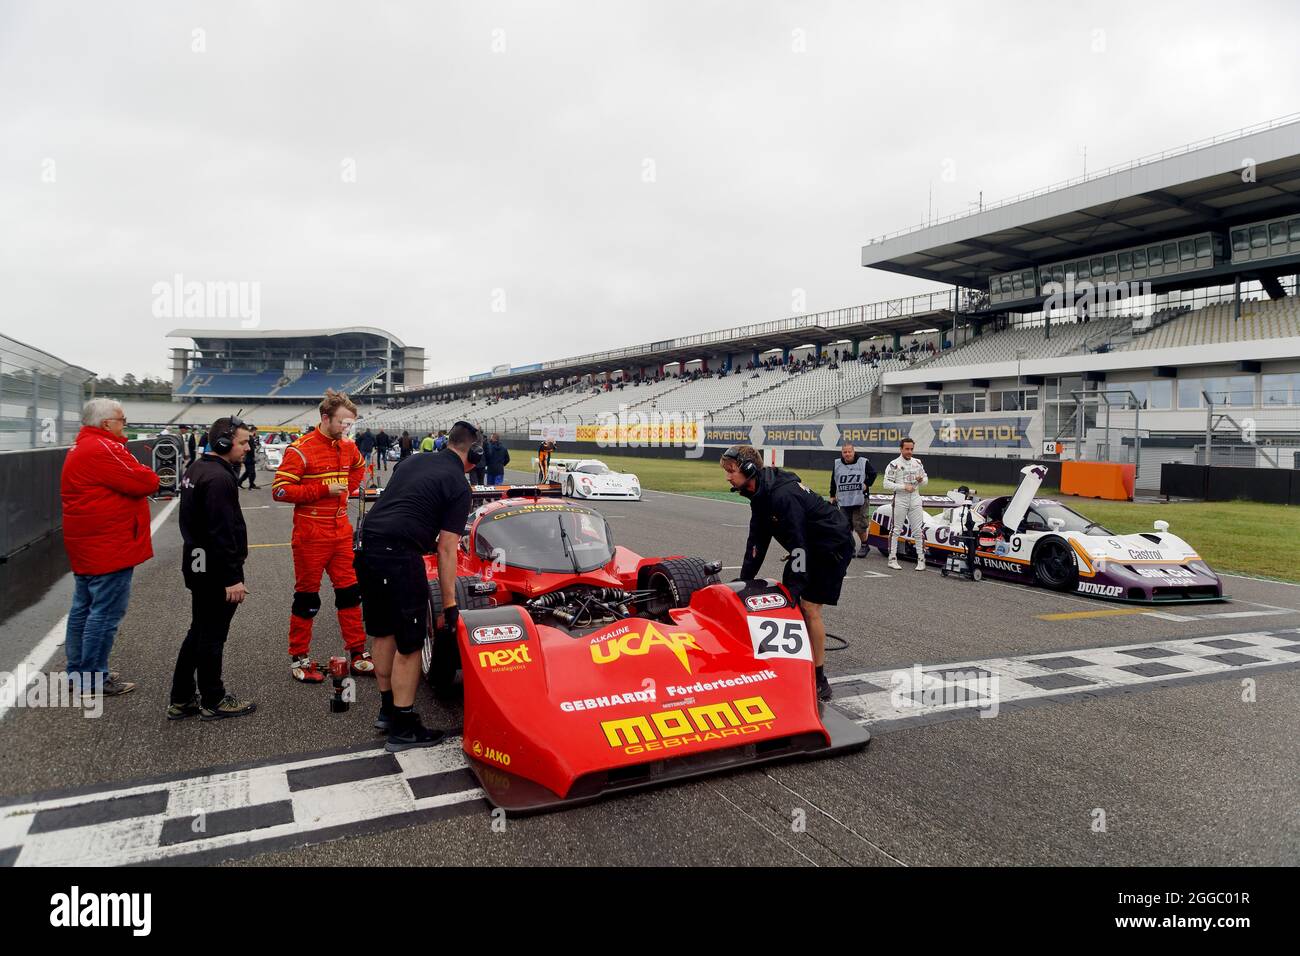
x: 480, y: 494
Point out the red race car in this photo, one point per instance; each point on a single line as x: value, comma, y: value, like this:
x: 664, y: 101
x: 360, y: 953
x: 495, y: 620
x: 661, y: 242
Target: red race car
x: 589, y: 669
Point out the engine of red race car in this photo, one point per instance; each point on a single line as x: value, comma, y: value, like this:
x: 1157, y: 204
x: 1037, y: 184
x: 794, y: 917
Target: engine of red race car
x: 582, y: 607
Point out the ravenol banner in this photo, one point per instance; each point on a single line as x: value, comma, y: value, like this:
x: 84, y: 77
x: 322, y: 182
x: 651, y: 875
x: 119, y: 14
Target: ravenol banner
x: 980, y: 433
x: 727, y: 434
x: 806, y: 435
x: 874, y: 434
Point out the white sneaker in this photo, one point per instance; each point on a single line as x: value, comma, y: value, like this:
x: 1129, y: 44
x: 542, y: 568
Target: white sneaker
x: 920, y: 564
x: 893, y: 563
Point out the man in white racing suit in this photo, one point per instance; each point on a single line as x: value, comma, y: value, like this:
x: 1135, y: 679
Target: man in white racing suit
x: 905, y: 476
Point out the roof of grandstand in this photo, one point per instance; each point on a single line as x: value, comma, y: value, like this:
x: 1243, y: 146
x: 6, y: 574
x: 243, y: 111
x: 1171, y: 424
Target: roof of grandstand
x: 908, y: 315
x: 1198, y: 186
x: 201, y: 334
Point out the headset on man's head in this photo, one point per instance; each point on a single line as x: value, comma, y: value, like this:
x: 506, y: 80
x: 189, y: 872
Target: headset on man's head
x: 221, y: 442
x: 475, y: 453
x: 746, y: 466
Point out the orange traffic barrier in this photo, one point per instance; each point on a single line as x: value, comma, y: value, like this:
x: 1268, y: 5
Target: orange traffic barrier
x: 1098, y: 479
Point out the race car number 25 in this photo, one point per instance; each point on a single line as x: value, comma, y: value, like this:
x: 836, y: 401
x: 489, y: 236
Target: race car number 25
x: 779, y: 637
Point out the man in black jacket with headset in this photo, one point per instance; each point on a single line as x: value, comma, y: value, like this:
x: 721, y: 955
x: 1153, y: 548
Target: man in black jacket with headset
x: 815, y: 532
x: 215, y: 546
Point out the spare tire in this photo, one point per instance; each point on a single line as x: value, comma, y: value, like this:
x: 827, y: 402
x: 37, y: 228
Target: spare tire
x: 674, y: 582
x: 440, y: 657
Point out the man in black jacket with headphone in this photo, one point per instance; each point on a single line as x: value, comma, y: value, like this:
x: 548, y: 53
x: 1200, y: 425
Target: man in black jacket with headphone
x: 215, y: 545
x: 423, y: 510
x: 815, y: 532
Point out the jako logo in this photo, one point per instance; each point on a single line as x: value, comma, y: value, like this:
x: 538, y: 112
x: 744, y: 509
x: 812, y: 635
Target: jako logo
x: 498, y: 634
x: 103, y: 909
x: 765, y: 602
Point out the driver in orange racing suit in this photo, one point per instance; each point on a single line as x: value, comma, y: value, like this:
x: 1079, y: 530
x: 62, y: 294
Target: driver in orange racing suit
x: 544, y: 461
x: 317, y: 474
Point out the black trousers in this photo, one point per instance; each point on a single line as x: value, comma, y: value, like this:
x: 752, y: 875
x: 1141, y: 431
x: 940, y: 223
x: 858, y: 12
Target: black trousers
x: 201, y: 652
x: 250, y: 472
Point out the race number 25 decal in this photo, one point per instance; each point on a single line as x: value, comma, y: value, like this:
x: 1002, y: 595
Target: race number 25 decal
x: 779, y: 637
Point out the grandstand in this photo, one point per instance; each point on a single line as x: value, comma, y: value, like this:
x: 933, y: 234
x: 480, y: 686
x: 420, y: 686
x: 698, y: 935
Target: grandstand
x: 278, y: 365
x: 1152, y: 298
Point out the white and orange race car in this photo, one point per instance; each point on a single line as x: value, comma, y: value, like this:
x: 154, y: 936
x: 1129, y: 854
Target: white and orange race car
x: 1040, y: 541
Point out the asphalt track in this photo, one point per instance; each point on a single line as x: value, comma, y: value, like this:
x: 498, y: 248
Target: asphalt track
x: 1190, y: 763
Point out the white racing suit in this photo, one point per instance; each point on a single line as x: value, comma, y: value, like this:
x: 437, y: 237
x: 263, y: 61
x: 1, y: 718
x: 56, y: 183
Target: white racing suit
x: 907, y: 504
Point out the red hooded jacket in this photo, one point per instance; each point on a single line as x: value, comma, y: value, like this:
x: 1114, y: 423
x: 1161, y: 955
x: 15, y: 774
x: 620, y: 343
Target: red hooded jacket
x: 105, y: 504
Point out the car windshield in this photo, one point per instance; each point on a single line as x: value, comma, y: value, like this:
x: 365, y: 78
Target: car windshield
x: 1041, y: 514
x: 528, y: 537
x: 592, y: 468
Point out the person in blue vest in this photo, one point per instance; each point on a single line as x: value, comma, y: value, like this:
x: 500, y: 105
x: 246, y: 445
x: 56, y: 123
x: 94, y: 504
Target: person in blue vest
x: 851, y: 478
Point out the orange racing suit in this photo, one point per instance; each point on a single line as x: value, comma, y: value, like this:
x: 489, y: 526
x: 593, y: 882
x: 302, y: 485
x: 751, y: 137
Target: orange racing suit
x: 322, y: 534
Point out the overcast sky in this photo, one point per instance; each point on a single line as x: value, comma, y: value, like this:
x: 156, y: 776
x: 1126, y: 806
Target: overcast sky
x: 607, y: 172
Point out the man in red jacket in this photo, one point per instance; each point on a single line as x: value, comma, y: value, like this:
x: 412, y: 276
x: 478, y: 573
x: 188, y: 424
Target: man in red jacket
x: 317, y: 474
x: 106, y: 534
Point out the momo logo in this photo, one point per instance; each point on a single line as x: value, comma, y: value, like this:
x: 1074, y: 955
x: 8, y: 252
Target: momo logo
x: 689, y: 725
x: 638, y: 645
x: 506, y: 659
x: 765, y: 602
x: 1101, y: 590
x: 491, y: 753
x: 497, y: 634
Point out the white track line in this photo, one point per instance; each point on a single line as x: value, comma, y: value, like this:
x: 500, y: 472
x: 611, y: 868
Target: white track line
x: 40, y: 655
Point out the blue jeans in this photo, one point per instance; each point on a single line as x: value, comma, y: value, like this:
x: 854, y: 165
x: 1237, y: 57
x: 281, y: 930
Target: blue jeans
x: 496, y: 478
x: 98, y: 606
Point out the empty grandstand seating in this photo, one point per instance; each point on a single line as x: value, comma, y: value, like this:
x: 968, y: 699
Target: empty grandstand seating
x: 1260, y: 319
x: 226, y: 383
x: 315, y: 382
x: 1032, y: 340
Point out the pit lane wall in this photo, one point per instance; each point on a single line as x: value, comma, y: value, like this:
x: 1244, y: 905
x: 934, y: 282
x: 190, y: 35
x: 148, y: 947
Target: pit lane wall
x: 30, y: 505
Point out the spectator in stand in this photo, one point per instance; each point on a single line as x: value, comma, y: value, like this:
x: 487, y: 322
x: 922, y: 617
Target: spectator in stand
x: 106, y: 534
x: 383, y: 442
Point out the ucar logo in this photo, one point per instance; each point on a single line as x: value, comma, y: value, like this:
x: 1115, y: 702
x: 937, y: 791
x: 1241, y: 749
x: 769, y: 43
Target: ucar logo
x: 638, y: 645
x: 765, y: 602
x: 497, y: 634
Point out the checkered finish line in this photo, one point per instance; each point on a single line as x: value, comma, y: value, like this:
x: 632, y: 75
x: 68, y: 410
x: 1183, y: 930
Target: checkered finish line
x: 214, y: 815
x: 888, y: 698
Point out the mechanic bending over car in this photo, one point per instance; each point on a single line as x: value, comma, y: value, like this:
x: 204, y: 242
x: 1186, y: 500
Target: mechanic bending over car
x: 423, y: 508
x: 815, y: 532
